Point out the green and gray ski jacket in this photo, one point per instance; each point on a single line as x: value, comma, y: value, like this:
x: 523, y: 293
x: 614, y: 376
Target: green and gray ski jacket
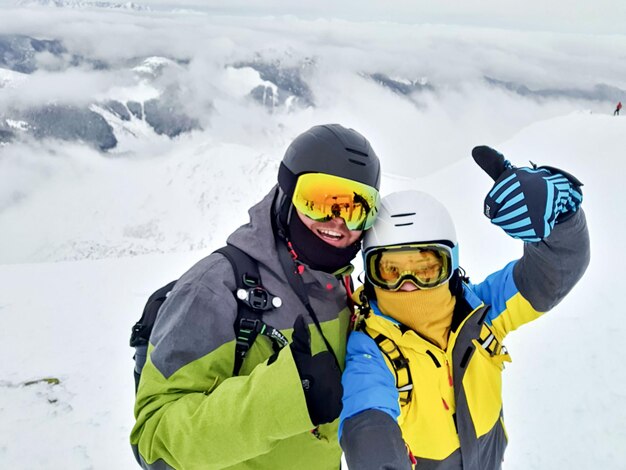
x: 191, y: 413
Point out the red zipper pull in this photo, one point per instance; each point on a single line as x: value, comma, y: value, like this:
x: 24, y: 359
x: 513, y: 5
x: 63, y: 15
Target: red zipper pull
x: 346, y: 284
x: 411, y: 456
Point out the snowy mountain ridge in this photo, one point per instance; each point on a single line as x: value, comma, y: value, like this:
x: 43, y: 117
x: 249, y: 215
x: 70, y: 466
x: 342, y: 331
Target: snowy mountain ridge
x: 158, y: 91
x: 132, y: 6
x: 152, y: 102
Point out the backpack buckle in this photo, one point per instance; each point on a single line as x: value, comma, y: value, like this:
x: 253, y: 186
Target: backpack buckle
x: 137, y: 336
x: 491, y: 344
x: 248, y: 329
x: 257, y: 298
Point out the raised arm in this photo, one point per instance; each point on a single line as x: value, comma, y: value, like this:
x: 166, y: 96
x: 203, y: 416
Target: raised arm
x: 540, y: 206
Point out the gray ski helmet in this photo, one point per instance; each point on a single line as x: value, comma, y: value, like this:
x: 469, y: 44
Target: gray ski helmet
x: 331, y: 149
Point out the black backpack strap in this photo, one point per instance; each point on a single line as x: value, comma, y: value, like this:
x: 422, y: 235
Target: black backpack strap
x: 252, y: 300
x: 140, y: 334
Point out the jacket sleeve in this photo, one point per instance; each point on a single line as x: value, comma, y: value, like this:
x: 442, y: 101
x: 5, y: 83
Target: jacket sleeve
x: 550, y: 269
x: 370, y: 407
x: 372, y: 440
x: 537, y: 282
x: 190, y: 413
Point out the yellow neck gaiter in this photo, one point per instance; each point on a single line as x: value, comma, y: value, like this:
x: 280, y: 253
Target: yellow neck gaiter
x: 427, y: 312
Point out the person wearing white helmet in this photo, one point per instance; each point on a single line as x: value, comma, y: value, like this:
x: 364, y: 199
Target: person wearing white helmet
x: 422, y: 384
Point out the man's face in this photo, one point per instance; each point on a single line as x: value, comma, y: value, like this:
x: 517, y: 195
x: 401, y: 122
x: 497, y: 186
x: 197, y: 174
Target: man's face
x: 334, y: 232
x: 336, y: 209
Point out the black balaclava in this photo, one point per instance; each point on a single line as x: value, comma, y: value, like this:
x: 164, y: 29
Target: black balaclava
x: 315, y: 252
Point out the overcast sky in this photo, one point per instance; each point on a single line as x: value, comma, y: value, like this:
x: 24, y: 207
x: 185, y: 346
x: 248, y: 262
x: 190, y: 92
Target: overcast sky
x: 600, y: 16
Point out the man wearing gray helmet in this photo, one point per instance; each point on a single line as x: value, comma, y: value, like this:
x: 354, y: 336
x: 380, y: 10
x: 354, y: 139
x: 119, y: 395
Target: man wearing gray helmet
x: 279, y: 407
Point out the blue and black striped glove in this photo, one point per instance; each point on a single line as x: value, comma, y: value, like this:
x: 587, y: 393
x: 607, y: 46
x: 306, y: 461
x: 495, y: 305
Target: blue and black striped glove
x: 527, y: 202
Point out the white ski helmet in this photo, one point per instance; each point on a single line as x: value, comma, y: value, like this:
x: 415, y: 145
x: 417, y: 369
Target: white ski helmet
x: 407, y: 217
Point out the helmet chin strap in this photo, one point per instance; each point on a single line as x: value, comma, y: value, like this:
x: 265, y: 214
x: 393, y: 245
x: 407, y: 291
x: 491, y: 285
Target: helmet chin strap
x: 280, y: 213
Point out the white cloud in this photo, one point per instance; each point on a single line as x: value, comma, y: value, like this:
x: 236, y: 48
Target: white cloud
x: 415, y: 135
x: 602, y: 16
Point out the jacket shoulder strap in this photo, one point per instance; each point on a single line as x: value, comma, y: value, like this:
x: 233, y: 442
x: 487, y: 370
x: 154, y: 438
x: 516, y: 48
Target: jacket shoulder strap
x: 140, y: 334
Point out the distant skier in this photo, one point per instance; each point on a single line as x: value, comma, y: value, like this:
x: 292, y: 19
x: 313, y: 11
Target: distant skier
x: 619, y: 106
x: 422, y: 384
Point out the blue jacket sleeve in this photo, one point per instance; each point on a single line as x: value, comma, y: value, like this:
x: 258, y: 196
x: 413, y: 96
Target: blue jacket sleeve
x: 368, y: 384
x: 509, y: 309
x: 496, y: 290
x: 524, y: 289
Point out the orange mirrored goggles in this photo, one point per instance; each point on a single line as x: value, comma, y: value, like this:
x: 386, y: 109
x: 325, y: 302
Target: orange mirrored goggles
x: 322, y: 197
x: 425, y: 265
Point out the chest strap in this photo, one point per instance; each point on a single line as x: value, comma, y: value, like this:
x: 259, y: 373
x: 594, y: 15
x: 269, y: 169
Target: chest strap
x: 400, y: 365
x: 490, y: 343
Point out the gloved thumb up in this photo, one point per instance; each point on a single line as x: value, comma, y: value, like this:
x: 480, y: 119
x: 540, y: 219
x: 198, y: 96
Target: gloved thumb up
x: 491, y: 161
x: 527, y: 202
x: 319, y: 375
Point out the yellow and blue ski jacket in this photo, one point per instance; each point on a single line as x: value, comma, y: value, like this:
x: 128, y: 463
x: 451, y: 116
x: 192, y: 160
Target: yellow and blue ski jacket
x: 452, y: 417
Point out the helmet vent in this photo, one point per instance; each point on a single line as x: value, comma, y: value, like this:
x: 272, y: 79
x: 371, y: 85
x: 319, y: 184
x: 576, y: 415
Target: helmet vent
x: 407, y: 214
x: 356, y: 161
x: 357, y: 152
x: 404, y: 225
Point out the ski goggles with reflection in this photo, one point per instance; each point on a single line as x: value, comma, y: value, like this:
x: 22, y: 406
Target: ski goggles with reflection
x: 322, y: 197
x: 425, y: 265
